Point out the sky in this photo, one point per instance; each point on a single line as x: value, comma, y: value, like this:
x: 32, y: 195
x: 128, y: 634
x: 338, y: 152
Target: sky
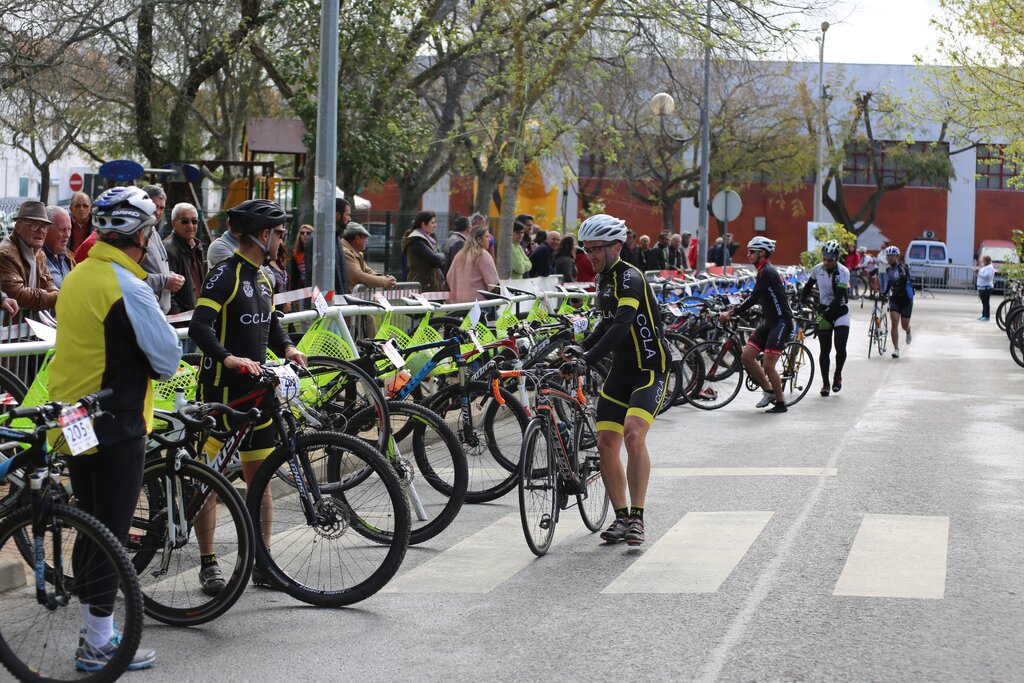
x: 876, y: 32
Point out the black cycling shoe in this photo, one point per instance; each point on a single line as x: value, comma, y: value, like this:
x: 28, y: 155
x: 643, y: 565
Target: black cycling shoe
x: 824, y: 390
x: 837, y: 384
x: 617, y: 531
x: 264, y: 579
x: 778, y: 408
x: 635, y: 534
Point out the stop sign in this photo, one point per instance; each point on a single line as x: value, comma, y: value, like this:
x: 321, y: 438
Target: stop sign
x: 75, y: 182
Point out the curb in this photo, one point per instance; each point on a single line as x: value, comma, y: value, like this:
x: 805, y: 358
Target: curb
x: 12, y: 574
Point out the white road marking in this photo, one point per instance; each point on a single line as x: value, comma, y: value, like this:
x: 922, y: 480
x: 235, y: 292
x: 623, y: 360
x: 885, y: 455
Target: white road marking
x: 482, y: 562
x: 897, y: 556
x: 696, y: 555
x: 744, y: 471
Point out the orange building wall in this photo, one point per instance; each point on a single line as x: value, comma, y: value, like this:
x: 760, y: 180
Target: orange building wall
x: 996, y: 214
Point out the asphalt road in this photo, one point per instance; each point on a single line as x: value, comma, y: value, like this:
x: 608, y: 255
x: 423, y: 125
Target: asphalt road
x: 874, y: 535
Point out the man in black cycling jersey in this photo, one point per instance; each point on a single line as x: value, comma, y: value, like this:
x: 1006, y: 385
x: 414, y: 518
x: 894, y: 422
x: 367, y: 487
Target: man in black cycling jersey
x: 771, y: 336
x: 234, y: 323
x: 630, y: 329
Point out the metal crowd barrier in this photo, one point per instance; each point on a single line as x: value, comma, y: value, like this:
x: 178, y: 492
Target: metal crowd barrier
x: 948, y: 277
x: 22, y: 356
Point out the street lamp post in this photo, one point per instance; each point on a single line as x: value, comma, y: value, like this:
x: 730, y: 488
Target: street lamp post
x: 821, y: 122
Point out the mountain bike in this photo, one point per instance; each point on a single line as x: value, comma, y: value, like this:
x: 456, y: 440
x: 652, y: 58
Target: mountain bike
x: 40, y: 626
x: 559, y: 458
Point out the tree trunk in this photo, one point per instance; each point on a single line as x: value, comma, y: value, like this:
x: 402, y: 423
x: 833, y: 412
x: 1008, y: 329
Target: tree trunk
x: 508, y: 216
x: 44, y: 182
x: 668, y: 211
x: 486, y: 183
x: 408, y: 199
x: 307, y: 190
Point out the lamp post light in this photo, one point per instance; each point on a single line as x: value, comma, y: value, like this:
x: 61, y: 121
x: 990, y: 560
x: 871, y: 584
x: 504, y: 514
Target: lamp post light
x: 821, y: 121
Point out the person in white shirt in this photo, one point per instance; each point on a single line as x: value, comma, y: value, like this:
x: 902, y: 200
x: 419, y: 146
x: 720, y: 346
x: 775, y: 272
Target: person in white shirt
x: 986, y: 279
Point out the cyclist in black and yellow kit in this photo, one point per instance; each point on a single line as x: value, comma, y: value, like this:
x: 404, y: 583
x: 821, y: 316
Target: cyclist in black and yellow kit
x: 233, y: 324
x: 630, y: 329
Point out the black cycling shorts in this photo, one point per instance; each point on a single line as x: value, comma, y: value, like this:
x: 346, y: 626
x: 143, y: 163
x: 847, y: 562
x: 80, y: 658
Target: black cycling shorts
x: 902, y: 309
x: 261, y: 442
x: 772, y: 338
x: 636, y: 392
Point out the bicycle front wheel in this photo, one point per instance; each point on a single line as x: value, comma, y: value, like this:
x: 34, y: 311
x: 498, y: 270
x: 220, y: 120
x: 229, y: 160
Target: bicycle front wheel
x: 796, y: 373
x: 593, y: 499
x: 426, y: 451
x: 713, y: 373
x: 882, y: 341
x: 333, y: 540
x: 165, y: 545
x: 38, y: 643
x: 538, y: 488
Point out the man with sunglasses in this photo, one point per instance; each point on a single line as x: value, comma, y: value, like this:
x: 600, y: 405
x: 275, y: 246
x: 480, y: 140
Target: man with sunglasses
x: 185, y: 256
x: 771, y: 336
x: 833, y: 281
x: 630, y: 329
x: 24, y: 274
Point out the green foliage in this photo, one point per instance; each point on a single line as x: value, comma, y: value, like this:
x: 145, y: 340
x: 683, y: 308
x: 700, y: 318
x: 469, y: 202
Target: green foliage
x: 1015, y: 271
x: 822, y: 234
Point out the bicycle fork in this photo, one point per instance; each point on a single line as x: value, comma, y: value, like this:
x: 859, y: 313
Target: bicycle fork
x: 41, y: 504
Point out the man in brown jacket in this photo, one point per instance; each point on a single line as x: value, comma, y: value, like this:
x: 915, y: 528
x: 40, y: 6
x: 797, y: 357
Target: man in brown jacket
x: 24, y: 273
x: 354, y: 242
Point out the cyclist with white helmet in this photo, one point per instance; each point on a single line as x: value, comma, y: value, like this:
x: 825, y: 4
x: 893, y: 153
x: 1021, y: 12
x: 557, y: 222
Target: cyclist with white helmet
x: 771, y: 336
x: 833, y: 281
x: 630, y: 329
x: 112, y: 335
x: 900, y: 292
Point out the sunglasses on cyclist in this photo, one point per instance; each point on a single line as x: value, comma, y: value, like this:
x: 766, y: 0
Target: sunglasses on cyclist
x: 592, y: 250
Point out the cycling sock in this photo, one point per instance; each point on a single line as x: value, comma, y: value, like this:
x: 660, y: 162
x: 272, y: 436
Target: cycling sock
x: 637, y: 511
x: 99, y: 630
x: 206, y: 560
x: 621, y: 513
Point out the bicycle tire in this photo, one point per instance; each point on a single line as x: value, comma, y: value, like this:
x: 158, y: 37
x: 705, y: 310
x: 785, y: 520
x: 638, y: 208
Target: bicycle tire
x: 495, y: 443
x: 720, y: 373
x: 1001, y: 310
x: 1017, y: 348
x: 25, y: 619
x: 872, y: 333
x: 335, y: 401
x: 439, y: 458
x: 678, y: 345
x: 797, y: 373
x: 538, y: 489
x: 12, y: 487
x: 172, y: 595
x: 593, y: 501
x: 369, y: 486
x: 883, y: 338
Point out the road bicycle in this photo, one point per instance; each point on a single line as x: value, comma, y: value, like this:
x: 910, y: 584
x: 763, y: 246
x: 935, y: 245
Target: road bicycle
x: 878, y: 327
x: 40, y: 625
x: 559, y: 458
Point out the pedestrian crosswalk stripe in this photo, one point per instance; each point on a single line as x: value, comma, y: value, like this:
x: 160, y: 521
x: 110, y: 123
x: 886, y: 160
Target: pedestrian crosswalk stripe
x: 480, y: 563
x: 897, y: 556
x: 743, y: 471
x: 695, y: 556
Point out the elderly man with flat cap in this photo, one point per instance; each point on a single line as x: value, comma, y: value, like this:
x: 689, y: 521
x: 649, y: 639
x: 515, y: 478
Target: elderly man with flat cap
x: 24, y: 273
x: 354, y: 240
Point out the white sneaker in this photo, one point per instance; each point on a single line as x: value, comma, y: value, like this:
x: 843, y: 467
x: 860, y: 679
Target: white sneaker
x: 766, y: 400
x: 909, y: 335
x: 895, y: 353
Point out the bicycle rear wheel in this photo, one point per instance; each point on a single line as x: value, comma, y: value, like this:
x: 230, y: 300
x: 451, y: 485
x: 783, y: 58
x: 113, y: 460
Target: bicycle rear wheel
x: 430, y: 454
x: 333, y: 540
x: 538, y: 488
x: 38, y: 643
x: 716, y: 373
x: 168, y: 567
x: 796, y: 373
x: 593, y: 500
x: 494, y: 441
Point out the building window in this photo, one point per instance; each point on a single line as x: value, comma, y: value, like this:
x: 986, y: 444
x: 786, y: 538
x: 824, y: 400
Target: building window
x: 993, y: 171
x: 857, y: 170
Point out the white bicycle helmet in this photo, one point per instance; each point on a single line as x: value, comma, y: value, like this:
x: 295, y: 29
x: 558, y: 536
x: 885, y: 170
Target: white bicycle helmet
x: 602, y: 228
x: 123, y: 211
x: 763, y: 243
x: 892, y: 251
x: 830, y: 249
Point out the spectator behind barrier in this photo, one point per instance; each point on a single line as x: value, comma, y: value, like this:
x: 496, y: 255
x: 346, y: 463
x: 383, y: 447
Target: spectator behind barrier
x: 24, y: 273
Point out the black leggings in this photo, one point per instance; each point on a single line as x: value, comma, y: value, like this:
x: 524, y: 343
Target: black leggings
x: 825, y: 339
x: 106, y: 485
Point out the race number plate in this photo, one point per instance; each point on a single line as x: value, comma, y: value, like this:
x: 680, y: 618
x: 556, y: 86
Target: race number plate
x: 76, y: 425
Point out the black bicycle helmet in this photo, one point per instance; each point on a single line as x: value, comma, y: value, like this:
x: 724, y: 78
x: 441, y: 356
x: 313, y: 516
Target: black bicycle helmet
x: 255, y: 215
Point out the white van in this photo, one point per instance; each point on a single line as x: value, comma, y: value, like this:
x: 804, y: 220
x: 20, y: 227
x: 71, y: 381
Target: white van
x: 927, y: 260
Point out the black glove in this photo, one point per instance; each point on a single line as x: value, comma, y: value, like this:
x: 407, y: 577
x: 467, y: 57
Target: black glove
x: 573, y: 368
x: 572, y: 351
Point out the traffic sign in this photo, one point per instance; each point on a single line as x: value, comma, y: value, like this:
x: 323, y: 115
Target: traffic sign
x: 726, y: 205
x: 122, y: 170
x: 75, y: 182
